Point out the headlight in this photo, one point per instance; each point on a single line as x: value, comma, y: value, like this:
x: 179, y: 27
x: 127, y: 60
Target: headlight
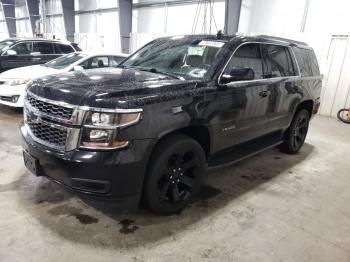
x: 100, y: 129
x: 15, y: 82
x: 111, y: 120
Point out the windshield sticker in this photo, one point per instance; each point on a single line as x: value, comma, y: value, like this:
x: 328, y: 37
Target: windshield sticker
x: 211, y: 43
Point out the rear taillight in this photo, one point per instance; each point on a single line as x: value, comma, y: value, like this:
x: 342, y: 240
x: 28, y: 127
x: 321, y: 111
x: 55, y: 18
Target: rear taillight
x: 317, y: 105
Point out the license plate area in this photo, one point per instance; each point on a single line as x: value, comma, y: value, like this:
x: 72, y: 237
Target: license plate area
x: 31, y: 163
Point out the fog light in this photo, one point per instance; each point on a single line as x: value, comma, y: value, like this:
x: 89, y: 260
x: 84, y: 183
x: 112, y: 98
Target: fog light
x: 14, y: 99
x: 100, y: 139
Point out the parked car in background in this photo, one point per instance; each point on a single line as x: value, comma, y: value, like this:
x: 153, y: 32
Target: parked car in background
x: 149, y: 129
x: 18, y: 52
x: 13, y: 82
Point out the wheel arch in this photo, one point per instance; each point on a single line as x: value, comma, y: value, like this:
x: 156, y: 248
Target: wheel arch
x: 306, y: 104
x: 199, y: 133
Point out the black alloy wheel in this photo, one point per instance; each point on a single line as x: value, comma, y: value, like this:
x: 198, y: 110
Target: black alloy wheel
x: 296, y: 134
x: 300, y: 130
x: 174, y: 175
x: 179, y: 177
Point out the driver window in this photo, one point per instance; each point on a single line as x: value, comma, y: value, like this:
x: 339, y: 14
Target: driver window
x: 24, y: 48
x: 247, y: 56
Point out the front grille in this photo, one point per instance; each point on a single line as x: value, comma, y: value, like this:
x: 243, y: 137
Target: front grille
x: 47, y: 132
x: 6, y: 98
x: 49, y: 108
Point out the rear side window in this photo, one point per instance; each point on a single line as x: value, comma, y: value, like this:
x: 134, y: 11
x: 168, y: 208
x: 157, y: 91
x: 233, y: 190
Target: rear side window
x: 44, y: 48
x: 280, y: 61
x: 247, y: 56
x: 63, y: 49
x: 304, y: 61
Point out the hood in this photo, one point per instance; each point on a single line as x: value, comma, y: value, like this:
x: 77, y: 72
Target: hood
x: 28, y: 72
x: 109, y: 87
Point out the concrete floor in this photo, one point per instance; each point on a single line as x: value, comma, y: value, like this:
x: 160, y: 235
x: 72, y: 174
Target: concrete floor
x: 271, y: 207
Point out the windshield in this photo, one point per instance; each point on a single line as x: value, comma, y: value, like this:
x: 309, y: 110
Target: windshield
x: 64, y: 61
x: 181, y: 58
x: 5, y: 44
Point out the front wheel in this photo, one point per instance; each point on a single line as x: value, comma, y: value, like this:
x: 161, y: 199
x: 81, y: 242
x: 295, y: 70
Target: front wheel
x: 344, y: 115
x: 174, y: 174
x: 294, y: 137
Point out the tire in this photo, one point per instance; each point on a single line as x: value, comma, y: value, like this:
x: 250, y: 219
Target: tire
x: 294, y: 137
x: 174, y: 174
x: 339, y: 115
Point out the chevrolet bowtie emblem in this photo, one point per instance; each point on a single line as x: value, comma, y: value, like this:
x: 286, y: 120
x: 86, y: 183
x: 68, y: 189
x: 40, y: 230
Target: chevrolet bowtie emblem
x: 36, y: 120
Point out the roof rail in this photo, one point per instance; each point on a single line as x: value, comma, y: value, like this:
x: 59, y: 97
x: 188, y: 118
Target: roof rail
x: 283, y: 39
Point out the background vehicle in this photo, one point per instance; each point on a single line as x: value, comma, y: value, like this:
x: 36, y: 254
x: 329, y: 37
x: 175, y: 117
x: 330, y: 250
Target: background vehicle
x: 18, y: 52
x: 150, y: 128
x: 344, y: 115
x: 14, y: 81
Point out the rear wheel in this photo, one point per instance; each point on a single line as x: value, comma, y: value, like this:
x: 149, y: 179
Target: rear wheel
x: 344, y: 115
x: 174, y: 174
x: 294, y: 137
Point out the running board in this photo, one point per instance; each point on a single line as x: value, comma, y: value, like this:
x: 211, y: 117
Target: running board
x: 243, y: 151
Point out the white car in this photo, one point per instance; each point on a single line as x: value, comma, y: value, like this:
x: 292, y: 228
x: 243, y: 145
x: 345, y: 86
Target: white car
x: 13, y: 82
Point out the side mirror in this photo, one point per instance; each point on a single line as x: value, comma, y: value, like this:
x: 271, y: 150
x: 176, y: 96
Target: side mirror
x: 78, y: 68
x: 238, y: 74
x: 11, y: 52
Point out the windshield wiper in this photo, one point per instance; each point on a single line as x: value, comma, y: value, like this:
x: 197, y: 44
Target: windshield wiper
x: 154, y: 70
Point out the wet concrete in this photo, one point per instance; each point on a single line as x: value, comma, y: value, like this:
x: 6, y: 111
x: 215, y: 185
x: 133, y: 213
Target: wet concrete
x: 270, y: 207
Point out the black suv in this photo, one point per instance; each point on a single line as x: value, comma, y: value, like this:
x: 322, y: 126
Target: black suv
x: 149, y: 129
x: 17, y: 52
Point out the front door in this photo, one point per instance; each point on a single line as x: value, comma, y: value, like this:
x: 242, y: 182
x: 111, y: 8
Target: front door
x: 21, y: 58
x: 243, y: 107
x: 286, y: 90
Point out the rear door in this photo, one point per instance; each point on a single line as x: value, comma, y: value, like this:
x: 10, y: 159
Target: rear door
x: 243, y: 106
x: 43, y: 52
x: 285, y: 85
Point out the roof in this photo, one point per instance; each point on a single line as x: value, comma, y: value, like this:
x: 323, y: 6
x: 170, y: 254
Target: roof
x: 227, y: 38
x: 281, y: 39
x: 101, y: 54
x: 18, y: 39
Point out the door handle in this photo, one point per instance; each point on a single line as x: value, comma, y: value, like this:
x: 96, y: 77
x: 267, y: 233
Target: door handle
x: 264, y: 93
x: 36, y: 58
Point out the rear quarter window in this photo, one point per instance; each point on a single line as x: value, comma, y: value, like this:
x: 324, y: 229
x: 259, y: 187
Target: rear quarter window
x: 63, y: 49
x: 307, y: 61
x: 314, y: 63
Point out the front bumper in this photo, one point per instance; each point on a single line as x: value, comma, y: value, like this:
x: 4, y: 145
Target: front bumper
x: 108, y: 176
x: 8, y: 92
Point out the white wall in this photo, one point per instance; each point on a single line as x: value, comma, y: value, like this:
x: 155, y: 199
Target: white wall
x: 54, y: 24
x: 3, y: 28
x: 97, y: 31
x: 271, y: 16
x: 178, y: 19
x: 324, y: 19
x: 23, y: 26
x: 152, y: 22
